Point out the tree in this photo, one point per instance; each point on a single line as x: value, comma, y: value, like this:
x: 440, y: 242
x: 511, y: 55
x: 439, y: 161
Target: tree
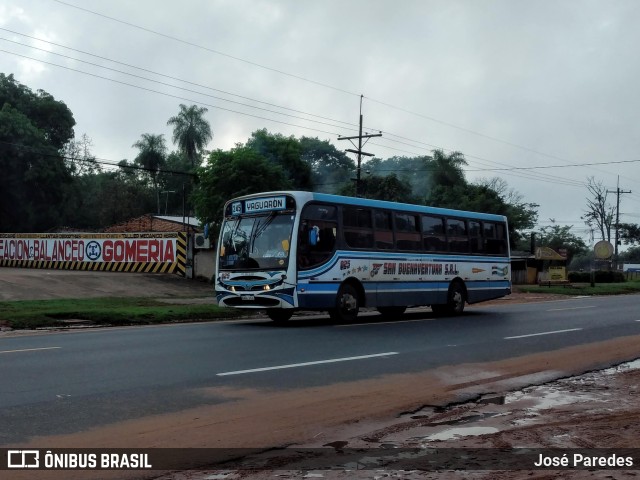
x: 286, y: 152
x: 191, y: 132
x: 34, y: 183
x: 483, y: 198
x: 599, y: 214
x: 389, y: 188
x: 330, y: 167
x: 629, y: 233
x: 152, y: 158
x: 446, y: 170
x: 229, y: 174
x: 78, y: 157
x: 560, y: 237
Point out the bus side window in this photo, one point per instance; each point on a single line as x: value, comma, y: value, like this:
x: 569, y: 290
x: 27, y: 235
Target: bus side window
x: 495, y: 238
x: 475, y: 237
x: 457, y: 235
x: 407, y: 232
x: 358, y: 227
x: 433, y: 236
x: 383, y: 235
x: 317, y: 247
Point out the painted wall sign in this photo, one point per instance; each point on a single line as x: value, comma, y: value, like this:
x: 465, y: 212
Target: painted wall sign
x: 147, y: 252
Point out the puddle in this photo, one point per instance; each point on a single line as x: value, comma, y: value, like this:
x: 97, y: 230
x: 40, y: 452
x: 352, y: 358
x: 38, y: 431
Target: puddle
x: 461, y: 432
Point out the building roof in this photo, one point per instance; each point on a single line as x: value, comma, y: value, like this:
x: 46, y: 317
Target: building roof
x: 191, y: 221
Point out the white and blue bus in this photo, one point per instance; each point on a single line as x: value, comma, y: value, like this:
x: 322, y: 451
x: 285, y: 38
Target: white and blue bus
x: 287, y: 251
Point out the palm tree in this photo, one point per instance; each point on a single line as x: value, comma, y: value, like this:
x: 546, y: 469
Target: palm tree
x: 191, y: 131
x: 152, y: 157
x: 447, y: 169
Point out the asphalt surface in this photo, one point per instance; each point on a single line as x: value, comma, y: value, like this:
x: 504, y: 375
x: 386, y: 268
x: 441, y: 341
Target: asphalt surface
x: 66, y: 382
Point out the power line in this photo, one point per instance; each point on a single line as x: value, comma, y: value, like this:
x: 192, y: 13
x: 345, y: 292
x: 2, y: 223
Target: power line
x: 534, y: 176
x: 332, y: 87
x: 211, y: 50
x: 154, y: 73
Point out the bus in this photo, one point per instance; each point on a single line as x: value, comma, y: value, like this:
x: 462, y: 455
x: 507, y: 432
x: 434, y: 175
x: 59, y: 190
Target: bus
x: 287, y: 250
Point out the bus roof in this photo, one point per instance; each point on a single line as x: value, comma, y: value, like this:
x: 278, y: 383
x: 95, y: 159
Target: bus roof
x: 304, y: 197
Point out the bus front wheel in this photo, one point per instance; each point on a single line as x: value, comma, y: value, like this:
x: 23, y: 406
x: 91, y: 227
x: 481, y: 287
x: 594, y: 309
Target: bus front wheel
x: 456, y: 298
x: 347, y: 304
x: 280, y: 315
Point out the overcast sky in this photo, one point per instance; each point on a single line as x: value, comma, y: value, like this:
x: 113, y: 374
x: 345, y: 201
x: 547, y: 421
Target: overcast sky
x: 510, y: 84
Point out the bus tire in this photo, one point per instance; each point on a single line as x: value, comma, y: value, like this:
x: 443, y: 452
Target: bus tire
x: 347, y: 304
x: 456, y: 298
x: 280, y: 315
x: 391, y: 312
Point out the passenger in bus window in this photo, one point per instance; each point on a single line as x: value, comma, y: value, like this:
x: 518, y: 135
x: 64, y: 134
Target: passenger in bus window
x: 278, y: 249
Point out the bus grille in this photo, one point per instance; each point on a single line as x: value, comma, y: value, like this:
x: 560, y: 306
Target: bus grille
x: 257, y: 302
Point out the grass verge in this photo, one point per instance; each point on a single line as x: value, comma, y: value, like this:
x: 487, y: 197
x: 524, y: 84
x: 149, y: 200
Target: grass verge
x: 585, y: 288
x: 29, y: 314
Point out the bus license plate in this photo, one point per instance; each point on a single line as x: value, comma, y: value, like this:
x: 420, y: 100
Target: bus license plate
x: 248, y: 298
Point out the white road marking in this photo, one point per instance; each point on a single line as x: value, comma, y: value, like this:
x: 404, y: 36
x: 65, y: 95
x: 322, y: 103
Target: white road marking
x: 305, y: 364
x: 543, y: 333
x: 29, y: 350
x: 569, y: 308
x: 383, y: 323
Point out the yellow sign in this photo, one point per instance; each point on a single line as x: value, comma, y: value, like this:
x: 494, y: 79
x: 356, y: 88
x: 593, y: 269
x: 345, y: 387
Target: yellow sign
x: 546, y: 253
x: 557, y: 274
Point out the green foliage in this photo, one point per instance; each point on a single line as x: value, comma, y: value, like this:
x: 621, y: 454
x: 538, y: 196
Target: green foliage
x: 50, y: 116
x: 560, y: 237
x: 191, y: 132
x: 34, y: 179
x: 330, y: 167
x: 285, y: 152
x: 105, y: 311
x: 629, y: 233
x: 446, y: 170
x: 240, y: 171
x: 389, y: 188
x: 632, y: 255
x: 586, y: 289
x: 601, y: 276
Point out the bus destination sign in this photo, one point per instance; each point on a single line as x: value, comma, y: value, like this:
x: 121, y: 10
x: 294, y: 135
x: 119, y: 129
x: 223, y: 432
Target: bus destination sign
x: 266, y: 204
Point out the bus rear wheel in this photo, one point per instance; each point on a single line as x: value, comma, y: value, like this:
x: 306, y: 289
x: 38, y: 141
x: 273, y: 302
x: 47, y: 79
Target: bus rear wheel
x: 391, y: 312
x: 456, y: 298
x: 347, y: 304
x: 280, y: 315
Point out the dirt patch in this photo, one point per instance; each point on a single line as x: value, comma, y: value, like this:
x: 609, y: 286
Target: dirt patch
x: 375, y: 412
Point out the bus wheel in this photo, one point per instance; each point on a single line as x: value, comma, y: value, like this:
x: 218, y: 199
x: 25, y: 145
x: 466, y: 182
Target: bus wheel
x: 391, y: 312
x: 456, y: 298
x: 347, y: 304
x: 280, y: 315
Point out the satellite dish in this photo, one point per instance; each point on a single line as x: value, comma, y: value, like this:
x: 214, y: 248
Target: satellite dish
x: 603, y: 250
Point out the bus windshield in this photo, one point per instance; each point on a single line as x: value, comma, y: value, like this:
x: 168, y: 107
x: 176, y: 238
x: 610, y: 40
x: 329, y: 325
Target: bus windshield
x: 256, y: 242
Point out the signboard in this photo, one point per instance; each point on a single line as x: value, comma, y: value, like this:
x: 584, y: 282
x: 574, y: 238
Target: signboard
x: 557, y: 274
x: 546, y: 253
x: 130, y: 252
x: 603, y: 250
x: 266, y: 204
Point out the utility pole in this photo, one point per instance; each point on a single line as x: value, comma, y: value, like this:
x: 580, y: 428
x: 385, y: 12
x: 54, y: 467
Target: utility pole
x: 617, y: 192
x: 359, y: 151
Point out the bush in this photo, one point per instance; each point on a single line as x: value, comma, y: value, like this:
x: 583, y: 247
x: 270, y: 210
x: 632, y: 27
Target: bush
x: 601, y: 276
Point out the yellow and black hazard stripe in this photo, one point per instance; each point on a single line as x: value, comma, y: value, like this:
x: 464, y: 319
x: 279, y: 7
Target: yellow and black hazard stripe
x: 178, y: 267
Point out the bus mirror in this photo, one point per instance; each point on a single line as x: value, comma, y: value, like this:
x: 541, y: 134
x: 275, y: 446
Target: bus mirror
x: 314, y: 235
x: 285, y: 245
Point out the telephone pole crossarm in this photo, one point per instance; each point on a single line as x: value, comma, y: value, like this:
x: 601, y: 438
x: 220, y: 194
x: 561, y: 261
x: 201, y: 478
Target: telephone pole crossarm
x: 618, y: 192
x: 359, y: 151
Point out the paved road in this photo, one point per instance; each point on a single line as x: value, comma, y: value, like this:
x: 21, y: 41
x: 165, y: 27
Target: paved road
x: 67, y: 382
